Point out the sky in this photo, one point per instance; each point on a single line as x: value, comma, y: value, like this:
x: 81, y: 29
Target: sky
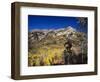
x: 56, y: 22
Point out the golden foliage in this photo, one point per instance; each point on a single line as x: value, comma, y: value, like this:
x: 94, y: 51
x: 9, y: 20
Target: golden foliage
x: 46, y: 56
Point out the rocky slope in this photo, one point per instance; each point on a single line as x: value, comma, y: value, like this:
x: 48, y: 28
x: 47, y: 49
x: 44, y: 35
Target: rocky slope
x: 44, y: 42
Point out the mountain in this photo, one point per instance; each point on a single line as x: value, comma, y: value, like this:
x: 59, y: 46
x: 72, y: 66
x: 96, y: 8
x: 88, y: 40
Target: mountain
x: 66, y: 31
x: 39, y: 34
x: 58, y: 35
x: 52, y: 43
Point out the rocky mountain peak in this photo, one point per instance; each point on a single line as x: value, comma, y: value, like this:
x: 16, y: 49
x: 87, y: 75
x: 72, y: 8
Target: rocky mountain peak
x: 69, y: 28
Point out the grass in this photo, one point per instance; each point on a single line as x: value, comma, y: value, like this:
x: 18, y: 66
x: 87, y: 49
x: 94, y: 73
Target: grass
x: 46, y: 55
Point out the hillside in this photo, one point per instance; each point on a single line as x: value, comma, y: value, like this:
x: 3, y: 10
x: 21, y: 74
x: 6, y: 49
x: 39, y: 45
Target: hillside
x: 51, y: 47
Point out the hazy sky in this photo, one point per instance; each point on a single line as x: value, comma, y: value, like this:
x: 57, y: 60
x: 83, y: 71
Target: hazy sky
x: 55, y: 22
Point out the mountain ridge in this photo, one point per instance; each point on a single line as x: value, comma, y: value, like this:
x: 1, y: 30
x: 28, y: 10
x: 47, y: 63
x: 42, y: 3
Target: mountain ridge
x: 48, y: 47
